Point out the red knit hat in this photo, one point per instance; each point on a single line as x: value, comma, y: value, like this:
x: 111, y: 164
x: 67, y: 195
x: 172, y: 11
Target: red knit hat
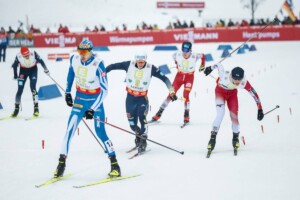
x: 25, y: 51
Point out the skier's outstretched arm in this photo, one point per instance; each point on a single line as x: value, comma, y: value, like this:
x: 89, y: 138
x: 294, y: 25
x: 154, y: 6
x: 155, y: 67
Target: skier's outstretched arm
x: 253, y: 93
x: 158, y: 74
x: 118, y: 66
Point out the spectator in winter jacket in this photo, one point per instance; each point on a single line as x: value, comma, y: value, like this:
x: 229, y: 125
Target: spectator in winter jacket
x: 3, y: 44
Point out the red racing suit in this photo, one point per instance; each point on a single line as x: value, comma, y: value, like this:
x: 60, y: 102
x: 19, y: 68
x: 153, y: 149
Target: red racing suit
x: 226, y: 91
x: 185, y: 75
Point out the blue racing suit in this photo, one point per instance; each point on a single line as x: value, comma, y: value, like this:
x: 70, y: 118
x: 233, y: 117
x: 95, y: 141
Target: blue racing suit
x: 91, y: 89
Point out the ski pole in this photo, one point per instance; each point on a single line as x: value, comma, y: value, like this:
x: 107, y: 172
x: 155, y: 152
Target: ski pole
x: 261, y: 30
x: 272, y: 110
x: 212, y: 76
x: 56, y: 83
x: 181, y: 152
x: 82, y: 119
x: 94, y: 136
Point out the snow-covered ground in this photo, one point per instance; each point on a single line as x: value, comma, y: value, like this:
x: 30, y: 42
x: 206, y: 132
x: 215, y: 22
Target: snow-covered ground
x: 267, y: 166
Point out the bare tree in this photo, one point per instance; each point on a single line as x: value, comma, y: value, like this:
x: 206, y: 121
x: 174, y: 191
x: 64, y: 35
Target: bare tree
x: 251, y: 5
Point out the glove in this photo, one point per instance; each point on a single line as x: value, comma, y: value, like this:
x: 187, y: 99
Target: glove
x: 69, y: 99
x: 260, y: 114
x: 207, y: 70
x: 201, y: 68
x: 47, y: 72
x: 173, y: 96
x: 89, y: 114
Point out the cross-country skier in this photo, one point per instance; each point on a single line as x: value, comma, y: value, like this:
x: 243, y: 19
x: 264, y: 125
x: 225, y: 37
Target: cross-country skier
x: 186, y: 62
x: 91, y: 89
x: 27, y: 60
x: 226, y: 91
x: 138, y: 77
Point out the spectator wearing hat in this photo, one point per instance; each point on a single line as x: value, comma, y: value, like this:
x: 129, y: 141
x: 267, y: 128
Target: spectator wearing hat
x: 192, y: 24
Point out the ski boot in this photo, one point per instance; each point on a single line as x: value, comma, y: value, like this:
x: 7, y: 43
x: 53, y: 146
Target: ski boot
x: 186, y: 116
x: 211, y: 144
x: 212, y: 141
x: 235, y: 141
x: 115, y: 168
x: 36, y: 110
x: 16, y: 111
x: 137, y: 141
x: 59, y: 172
x: 143, y: 144
x: 158, y: 115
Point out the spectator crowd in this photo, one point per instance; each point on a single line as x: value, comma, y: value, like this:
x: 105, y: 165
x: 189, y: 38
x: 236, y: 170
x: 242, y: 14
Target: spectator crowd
x: 259, y: 22
x: 144, y: 26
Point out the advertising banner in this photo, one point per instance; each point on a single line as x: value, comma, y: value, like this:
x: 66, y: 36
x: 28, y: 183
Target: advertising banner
x: 195, y: 35
x: 169, y: 4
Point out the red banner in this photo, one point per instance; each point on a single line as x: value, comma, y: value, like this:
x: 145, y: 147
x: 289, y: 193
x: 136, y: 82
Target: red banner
x: 165, y: 4
x: 197, y: 35
x: 54, y: 56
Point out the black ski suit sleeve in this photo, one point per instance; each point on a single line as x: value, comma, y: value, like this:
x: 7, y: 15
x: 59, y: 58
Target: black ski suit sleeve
x: 118, y: 66
x: 15, y: 67
x: 158, y: 74
x: 40, y: 60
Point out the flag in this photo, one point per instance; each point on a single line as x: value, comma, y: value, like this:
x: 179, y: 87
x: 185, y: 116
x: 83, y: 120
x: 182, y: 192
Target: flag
x: 287, y: 7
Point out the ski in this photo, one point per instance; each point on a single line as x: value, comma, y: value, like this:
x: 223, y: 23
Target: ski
x: 235, y: 152
x: 106, y: 180
x: 131, y: 150
x: 139, y: 154
x: 9, y: 117
x: 32, y: 117
x: 19, y: 117
x: 152, y: 122
x: 184, y: 124
x: 53, y: 180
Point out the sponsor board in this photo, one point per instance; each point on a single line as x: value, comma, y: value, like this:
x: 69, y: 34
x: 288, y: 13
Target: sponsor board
x: 196, y: 35
x: 168, y: 4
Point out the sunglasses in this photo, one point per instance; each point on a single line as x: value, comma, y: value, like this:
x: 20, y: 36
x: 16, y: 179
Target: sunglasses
x: 140, y: 58
x: 83, y: 51
x: 185, y: 50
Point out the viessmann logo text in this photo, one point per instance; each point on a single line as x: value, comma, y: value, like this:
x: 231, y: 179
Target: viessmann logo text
x: 196, y: 36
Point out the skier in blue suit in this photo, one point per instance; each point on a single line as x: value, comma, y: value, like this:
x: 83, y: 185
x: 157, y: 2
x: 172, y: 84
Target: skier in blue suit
x: 91, y: 88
